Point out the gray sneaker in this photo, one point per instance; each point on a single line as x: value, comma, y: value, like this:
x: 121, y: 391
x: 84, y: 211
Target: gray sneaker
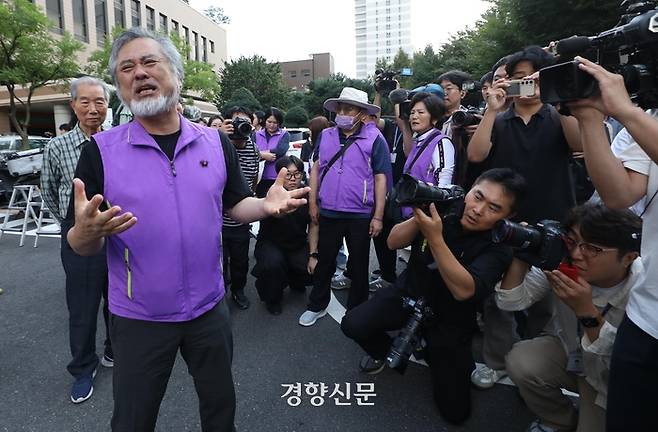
x: 378, y: 283
x: 484, y: 377
x: 340, y: 282
x: 309, y: 318
x: 538, y: 426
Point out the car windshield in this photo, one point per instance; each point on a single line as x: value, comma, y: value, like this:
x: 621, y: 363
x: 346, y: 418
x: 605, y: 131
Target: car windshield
x: 7, y: 144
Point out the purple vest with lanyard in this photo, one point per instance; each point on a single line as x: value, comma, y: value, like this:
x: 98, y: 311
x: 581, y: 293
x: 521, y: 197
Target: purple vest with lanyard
x: 269, y: 171
x: 419, y: 162
x: 168, y: 266
x: 348, y: 185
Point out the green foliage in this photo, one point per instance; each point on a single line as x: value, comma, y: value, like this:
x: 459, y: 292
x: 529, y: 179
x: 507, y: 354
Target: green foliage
x: 98, y: 61
x: 217, y: 15
x: 322, y: 89
x: 30, y: 57
x: 244, y: 98
x: 256, y: 74
x: 296, y: 117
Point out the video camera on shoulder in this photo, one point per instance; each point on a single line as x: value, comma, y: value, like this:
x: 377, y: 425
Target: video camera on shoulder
x: 629, y: 49
x: 411, y: 192
x: 386, y: 79
x: 541, y: 245
x: 241, y: 129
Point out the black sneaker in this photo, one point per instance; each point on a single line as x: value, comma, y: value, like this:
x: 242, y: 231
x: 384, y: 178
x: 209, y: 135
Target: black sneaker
x: 273, y: 308
x: 240, y: 300
x: 371, y: 366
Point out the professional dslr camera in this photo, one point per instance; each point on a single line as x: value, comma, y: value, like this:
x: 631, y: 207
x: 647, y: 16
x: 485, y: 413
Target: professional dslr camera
x: 385, y: 80
x: 408, y: 340
x: 541, y: 245
x: 629, y: 49
x: 241, y: 129
x: 461, y: 119
x: 411, y: 192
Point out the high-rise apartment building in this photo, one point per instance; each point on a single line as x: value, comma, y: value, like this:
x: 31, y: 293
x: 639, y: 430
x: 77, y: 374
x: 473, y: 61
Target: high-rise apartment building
x: 382, y: 28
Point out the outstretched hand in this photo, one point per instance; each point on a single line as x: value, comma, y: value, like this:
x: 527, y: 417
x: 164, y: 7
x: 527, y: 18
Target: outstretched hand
x: 280, y: 201
x: 90, y: 222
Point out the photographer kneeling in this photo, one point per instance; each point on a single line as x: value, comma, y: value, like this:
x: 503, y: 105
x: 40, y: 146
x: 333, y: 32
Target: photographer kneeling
x: 453, y: 265
x: 574, y: 353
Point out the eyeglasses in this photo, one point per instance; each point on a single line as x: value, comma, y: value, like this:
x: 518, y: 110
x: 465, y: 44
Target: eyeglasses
x: 587, y: 249
x: 296, y: 175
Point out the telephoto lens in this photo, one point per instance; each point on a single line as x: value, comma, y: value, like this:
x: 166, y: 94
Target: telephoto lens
x: 517, y: 235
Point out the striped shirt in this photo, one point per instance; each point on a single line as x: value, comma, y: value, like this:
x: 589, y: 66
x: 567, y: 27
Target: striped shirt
x: 60, y: 158
x: 249, y: 158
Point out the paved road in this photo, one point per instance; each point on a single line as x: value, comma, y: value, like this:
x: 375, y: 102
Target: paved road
x: 269, y: 351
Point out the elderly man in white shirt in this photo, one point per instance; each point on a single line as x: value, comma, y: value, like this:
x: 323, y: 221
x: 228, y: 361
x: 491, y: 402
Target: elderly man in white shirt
x: 574, y: 353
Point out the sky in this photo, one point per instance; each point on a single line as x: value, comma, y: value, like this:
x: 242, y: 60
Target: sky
x: 284, y: 30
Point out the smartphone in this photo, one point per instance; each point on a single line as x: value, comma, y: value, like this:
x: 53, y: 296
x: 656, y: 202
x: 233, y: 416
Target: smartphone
x: 569, y: 270
x: 406, y: 72
x: 524, y: 87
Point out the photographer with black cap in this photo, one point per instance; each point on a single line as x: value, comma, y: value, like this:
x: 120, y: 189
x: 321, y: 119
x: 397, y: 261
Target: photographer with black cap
x: 453, y: 265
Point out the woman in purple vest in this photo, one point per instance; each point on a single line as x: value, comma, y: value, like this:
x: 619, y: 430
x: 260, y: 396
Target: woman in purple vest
x: 273, y: 143
x: 432, y: 157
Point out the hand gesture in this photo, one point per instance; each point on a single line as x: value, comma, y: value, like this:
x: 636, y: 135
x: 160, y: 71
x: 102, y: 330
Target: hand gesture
x: 576, y: 295
x: 93, y: 224
x: 280, y: 201
x: 430, y: 226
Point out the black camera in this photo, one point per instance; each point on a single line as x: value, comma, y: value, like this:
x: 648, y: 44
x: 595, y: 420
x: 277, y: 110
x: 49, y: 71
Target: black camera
x: 541, y: 245
x: 384, y: 79
x: 408, y: 340
x: 241, y: 129
x: 470, y: 117
x: 412, y: 192
x: 629, y: 49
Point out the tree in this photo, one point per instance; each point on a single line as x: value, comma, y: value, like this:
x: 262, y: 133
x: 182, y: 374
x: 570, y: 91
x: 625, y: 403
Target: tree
x: 296, y: 117
x: 256, y: 74
x: 31, y: 58
x: 244, y: 98
x: 217, y: 15
x: 98, y: 61
x: 322, y: 89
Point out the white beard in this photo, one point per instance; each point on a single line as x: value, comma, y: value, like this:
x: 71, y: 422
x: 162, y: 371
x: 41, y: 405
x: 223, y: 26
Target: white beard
x: 153, y: 106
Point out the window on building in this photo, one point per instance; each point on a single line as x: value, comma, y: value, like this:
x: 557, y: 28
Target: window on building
x: 174, y: 26
x: 187, y: 39
x: 212, y: 47
x: 164, y: 27
x: 136, y: 13
x: 54, y: 12
x: 119, y: 12
x: 196, y: 45
x: 204, y: 44
x: 80, y: 20
x: 292, y: 74
x: 306, y: 72
x: 101, y: 21
x: 150, y: 18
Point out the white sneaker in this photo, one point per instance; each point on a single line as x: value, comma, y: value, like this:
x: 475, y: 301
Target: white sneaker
x: 484, y: 377
x: 538, y: 426
x: 309, y: 318
x: 378, y: 283
x: 340, y: 282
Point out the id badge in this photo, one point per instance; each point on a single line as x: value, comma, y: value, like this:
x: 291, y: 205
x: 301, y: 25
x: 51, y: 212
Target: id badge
x: 393, y: 157
x: 575, y: 362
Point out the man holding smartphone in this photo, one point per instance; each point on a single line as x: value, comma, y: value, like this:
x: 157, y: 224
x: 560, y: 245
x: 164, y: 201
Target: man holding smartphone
x: 574, y: 350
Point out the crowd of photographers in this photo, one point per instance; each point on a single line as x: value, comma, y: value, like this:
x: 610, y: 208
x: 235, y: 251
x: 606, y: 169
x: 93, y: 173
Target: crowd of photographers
x: 528, y: 220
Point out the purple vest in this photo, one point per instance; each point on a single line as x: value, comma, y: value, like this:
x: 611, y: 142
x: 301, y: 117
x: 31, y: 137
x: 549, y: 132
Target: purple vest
x: 349, y: 184
x: 168, y: 266
x: 422, y: 169
x: 269, y: 171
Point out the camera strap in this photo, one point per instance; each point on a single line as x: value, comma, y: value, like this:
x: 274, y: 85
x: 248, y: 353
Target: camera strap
x: 337, y: 156
x: 426, y: 143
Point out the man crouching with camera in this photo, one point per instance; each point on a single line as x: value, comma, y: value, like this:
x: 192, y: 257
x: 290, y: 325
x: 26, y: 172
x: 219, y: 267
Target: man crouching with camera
x: 453, y: 265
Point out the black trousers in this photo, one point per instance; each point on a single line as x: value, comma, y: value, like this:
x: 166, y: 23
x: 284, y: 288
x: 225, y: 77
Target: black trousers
x: 387, y: 258
x: 86, y: 283
x: 145, y: 352
x: 332, y: 231
x: 275, y: 269
x: 262, y: 187
x: 632, y: 401
x: 235, y: 248
x: 448, y: 348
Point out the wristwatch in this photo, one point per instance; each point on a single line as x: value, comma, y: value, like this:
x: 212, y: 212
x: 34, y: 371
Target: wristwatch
x: 313, y: 255
x: 589, y: 321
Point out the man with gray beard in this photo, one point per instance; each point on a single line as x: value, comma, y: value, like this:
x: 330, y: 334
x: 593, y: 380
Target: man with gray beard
x: 165, y: 183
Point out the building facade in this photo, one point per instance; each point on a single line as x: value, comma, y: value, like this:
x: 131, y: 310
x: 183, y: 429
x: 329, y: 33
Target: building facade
x: 382, y: 28
x: 297, y: 74
x: 92, y: 21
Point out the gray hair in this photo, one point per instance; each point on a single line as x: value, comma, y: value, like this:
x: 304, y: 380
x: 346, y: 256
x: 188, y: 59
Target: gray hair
x: 91, y: 81
x: 168, y: 49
